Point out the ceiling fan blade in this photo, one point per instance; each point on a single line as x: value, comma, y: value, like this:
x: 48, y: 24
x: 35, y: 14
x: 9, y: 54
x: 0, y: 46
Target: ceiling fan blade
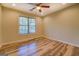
x: 32, y: 9
x: 45, y: 6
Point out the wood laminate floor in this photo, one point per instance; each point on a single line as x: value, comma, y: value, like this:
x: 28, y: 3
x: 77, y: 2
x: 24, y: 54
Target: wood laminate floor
x: 35, y: 47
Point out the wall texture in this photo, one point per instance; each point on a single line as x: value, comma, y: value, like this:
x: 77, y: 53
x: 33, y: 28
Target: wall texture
x: 0, y: 25
x: 10, y: 26
x: 63, y: 25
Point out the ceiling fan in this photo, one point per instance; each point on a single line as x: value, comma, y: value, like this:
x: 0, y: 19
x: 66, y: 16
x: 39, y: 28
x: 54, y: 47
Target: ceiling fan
x: 39, y: 6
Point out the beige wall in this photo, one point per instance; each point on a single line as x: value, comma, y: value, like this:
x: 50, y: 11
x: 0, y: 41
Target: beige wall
x: 0, y: 26
x: 10, y: 26
x: 63, y: 25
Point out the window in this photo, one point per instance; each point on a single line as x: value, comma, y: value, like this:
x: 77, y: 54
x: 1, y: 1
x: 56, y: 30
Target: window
x: 31, y: 25
x: 26, y: 25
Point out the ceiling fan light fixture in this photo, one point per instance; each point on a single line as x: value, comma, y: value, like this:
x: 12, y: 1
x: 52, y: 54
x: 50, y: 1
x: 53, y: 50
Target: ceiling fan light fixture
x: 38, y: 8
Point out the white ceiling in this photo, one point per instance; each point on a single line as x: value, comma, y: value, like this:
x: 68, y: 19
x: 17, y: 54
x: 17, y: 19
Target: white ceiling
x: 25, y: 7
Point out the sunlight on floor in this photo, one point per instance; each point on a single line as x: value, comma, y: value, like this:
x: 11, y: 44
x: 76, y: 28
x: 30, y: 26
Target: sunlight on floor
x: 27, y: 49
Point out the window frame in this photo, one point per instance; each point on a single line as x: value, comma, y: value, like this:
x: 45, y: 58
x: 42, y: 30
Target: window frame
x: 27, y: 25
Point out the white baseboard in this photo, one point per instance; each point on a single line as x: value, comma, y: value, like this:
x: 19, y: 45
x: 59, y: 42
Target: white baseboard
x: 19, y: 41
x: 61, y: 41
x: 51, y: 38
